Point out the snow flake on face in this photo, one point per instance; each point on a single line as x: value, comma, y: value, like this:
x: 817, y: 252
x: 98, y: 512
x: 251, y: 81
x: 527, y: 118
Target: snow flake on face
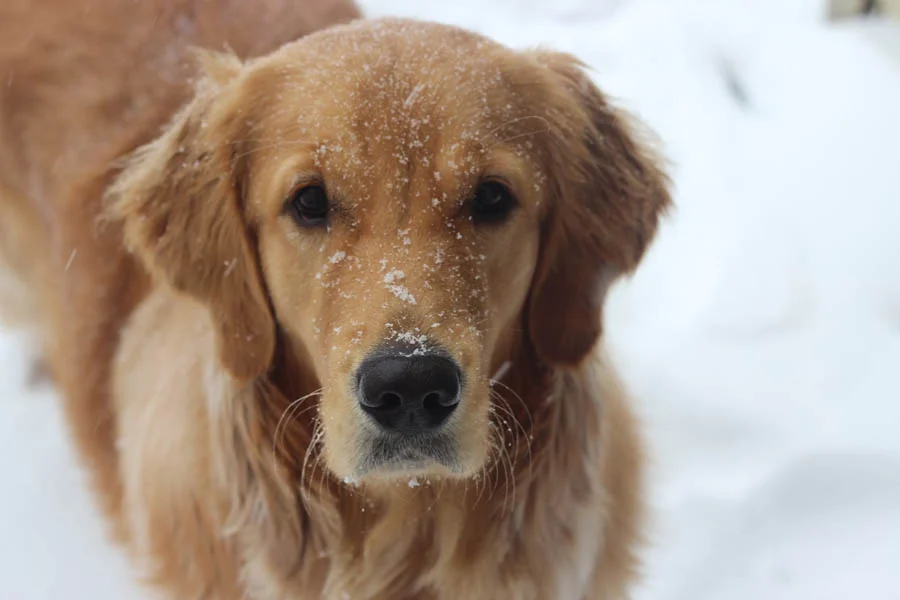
x: 394, y: 275
x: 403, y: 293
x: 319, y: 154
x: 392, y: 281
x: 412, y: 337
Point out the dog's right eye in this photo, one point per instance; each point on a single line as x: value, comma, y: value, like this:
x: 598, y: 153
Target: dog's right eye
x: 309, y: 206
x: 493, y: 202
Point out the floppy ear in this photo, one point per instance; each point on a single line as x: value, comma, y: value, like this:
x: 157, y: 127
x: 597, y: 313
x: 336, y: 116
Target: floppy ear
x: 180, y: 201
x: 608, y: 192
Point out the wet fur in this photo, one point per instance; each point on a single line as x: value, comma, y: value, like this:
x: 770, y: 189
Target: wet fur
x: 180, y: 376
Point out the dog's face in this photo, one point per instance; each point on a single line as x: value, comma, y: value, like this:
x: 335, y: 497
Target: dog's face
x: 404, y: 204
x: 398, y: 229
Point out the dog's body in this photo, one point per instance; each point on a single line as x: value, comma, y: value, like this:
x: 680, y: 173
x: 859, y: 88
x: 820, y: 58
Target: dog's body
x: 179, y: 361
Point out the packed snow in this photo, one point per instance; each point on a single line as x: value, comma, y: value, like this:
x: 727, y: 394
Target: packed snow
x: 761, y: 337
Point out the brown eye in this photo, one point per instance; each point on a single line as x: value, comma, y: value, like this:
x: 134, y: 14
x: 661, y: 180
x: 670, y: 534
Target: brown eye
x: 309, y: 206
x: 492, y: 202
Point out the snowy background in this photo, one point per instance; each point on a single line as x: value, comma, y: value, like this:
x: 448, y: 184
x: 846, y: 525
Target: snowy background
x: 761, y: 337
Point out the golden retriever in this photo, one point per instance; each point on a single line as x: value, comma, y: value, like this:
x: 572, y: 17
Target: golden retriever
x: 334, y: 333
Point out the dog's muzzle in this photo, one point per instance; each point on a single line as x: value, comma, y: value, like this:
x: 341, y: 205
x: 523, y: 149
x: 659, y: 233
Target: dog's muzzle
x: 409, y: 397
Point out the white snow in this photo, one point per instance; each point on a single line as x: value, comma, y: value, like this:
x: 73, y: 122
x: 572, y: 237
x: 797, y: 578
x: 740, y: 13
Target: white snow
x: 337, y: 257
x: 761, y: 337
x: 392, y: 281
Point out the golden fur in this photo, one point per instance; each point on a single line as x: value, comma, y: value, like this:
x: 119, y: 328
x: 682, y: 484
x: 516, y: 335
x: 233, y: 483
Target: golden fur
x: 204, y: 344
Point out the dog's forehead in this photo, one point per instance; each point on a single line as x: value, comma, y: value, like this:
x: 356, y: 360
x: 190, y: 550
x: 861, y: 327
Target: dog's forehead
x: 399, y: 104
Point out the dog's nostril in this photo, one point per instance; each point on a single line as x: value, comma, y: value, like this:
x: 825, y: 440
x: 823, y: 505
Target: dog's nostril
x: 389, y: 400
x: 409, y: 394
x: 438, y: 406
x: 443, y: 400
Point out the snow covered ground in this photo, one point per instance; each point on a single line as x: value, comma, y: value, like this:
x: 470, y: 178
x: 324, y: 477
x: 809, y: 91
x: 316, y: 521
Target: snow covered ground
x: 761, y: 338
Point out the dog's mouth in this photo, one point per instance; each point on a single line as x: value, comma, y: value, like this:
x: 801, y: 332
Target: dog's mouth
x: 388, y: 454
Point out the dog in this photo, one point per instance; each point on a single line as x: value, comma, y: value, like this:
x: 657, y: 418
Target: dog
x: 336, y: 332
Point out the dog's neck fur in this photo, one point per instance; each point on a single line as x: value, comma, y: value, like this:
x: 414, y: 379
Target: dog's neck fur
x: 379, y: 542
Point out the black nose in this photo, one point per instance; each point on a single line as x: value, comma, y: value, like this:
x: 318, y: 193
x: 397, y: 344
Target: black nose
x: 409, y: 394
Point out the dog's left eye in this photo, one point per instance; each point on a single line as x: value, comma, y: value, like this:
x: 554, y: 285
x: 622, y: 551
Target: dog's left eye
x: 309, y: 206
x: 492, y: 202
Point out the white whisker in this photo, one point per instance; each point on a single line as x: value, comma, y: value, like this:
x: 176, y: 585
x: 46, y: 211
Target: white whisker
x: 501, y: 371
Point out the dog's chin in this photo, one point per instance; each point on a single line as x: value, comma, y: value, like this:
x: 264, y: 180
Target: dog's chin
x: 383, y: 458
x: 363, y: 454
x: 388, y: 456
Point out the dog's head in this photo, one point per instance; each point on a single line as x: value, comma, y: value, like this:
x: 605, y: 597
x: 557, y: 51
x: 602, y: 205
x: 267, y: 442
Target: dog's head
x: 404, y: 205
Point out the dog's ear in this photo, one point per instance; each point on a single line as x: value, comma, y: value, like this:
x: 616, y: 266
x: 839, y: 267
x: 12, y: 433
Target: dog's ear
x: 180, y: 202
x: 607, y: 191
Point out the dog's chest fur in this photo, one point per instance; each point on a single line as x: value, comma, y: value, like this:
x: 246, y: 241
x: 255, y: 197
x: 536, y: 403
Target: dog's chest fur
x: 565, y: 524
